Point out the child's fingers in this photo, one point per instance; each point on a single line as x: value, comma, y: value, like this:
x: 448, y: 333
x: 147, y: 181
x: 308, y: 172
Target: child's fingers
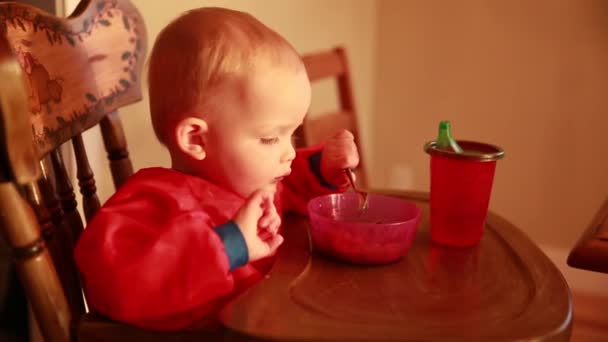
x: 273, y: 225
x: 248, y: 215
x: 262, y: 196
x: 270, y: 224
x: 264, y: 221
x: 265, y: 234
x: 267, y: 217
x: 268, y: 192
x: 273, y: 218
x: 270, y: 211
x: 257, y: 199
x: 274, y: 242
x: 267, y: 243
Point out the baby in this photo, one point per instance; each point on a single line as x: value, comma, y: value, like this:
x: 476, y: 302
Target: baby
x: 174, y: 244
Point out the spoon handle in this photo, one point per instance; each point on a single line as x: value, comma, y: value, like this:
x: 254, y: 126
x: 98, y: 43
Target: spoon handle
x: 351, y: 180
x: 363, y: 202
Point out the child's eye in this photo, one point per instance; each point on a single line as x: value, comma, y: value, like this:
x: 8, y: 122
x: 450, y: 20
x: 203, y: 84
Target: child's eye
x: 269, y: 141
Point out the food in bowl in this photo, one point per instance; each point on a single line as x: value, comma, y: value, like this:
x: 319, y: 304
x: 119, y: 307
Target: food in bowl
x: 382, y: 233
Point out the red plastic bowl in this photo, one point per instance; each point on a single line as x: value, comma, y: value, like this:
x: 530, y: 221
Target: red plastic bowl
x: 383, y: 233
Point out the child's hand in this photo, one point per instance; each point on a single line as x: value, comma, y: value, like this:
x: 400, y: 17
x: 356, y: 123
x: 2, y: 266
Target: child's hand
x: 339, y: 153
x: 259, y: 223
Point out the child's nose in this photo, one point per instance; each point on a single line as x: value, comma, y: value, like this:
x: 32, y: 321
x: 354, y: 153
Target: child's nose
x: 288, y: 154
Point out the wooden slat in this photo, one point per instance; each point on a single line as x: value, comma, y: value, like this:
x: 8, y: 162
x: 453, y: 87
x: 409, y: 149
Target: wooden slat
x: 324, y: 126
x: 345, y: 90
x: 67, y: 198
x: 63, y: 239
x: 57, y: 237
x: 35, y: 268
x: 86, y: 179
x: 332, y: 63
x: 116, y: 145
x: 323, y: 65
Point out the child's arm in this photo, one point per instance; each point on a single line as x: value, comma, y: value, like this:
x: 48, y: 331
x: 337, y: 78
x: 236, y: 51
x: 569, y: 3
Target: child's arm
x: 319, y: 170
x: 148, y: 262
x: 305, y: 181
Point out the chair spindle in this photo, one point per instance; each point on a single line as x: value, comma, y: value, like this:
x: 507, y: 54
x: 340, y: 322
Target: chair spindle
x: 116, y: 146
x: 58, y: 240
x: 67, y: 198
x: 34, y: 265
x: 86, y: 180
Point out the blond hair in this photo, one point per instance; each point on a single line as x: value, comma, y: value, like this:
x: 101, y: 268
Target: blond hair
x: 199, y: 50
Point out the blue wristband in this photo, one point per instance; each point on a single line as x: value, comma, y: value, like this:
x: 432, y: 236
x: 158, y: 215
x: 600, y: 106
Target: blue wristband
x: 234, y: 244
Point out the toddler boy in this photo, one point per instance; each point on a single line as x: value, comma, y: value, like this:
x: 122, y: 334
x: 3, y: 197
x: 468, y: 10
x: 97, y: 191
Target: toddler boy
x: 174, y: 244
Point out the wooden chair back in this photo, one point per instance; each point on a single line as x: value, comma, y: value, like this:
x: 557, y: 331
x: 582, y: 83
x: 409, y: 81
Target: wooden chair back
x: 332, y: 64
x: 58, y: 78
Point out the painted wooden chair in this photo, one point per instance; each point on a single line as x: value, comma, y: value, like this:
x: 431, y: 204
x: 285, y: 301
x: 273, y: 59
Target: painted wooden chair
x: 58, y: 78
x: 332, y: 64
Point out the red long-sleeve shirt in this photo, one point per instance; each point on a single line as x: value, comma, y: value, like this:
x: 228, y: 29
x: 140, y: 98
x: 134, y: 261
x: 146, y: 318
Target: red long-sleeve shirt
x: 151, y: 257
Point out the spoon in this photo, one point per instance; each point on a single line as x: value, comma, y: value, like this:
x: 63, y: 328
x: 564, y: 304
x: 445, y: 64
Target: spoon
x: 363, y: 202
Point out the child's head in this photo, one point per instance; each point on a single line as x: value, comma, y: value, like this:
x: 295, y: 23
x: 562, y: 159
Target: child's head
x: 226, y: 94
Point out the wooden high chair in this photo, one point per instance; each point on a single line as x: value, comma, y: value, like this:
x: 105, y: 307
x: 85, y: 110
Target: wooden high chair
x: 332, y: 64
x: 58, y: 78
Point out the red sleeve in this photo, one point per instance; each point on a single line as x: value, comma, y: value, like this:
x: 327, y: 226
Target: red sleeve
x: 303, y: 184
x: 149, y: 260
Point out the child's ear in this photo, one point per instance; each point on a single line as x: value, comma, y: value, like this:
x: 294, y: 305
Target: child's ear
x: 190, y: 137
